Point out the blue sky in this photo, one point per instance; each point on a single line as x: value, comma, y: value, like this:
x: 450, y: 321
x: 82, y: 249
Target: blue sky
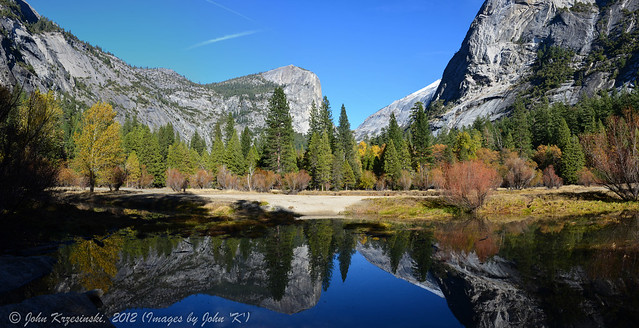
x: 366, y: 53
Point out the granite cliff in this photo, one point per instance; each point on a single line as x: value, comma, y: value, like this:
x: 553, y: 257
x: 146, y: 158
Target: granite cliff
x: 37, y: 54
x: 502, y: 56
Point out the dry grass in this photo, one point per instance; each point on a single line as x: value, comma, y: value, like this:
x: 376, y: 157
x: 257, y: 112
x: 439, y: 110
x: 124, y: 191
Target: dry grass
x: 402, y: 207
x: 503, y: 205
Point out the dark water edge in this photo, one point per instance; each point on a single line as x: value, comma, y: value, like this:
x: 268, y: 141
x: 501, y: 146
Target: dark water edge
x: 581, y: 272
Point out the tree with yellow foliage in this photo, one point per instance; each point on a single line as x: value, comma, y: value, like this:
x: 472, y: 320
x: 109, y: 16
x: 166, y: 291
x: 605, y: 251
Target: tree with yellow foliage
x: 98, y: 144
x: 30, y: 145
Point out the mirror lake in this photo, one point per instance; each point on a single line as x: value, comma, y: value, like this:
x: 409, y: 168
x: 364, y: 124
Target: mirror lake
x: 344, y: 273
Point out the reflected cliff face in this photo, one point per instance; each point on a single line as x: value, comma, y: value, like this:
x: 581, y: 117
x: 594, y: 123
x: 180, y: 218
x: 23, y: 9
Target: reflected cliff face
x: 582, y: 272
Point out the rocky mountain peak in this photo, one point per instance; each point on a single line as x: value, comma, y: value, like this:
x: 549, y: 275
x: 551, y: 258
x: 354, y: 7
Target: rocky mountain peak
x: 496, y: 62
x: 497, y: 56
x: 402, y: 108
x: 40, y: 55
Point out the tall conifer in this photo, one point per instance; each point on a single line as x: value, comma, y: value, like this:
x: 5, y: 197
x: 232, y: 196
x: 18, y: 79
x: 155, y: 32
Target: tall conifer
x: 279, y: 134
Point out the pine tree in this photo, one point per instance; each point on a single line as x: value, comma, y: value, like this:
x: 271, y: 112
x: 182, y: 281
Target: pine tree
x: 346, y: 141
x: 216, y: 157
x: 521, y: 130
x: 166, y: 137
x: 233, y: 157
x: 394, y: 132
x: 246, y: 141
x: 181, y: 158
x: 562, y: 134
x: 198, y: 143
x: 509, y: 143
x: 279, y: 134
x: 229, y: 128
x: 572, y: 160
x: 291, y: 160
x: 326, y: 121
x: 150, y: 155
x: 404, y: 156
x: 421, y: 136
x: 98, y: 144
x: 251, y: 159
x: 392, y: 165
x: 348, y: 176
x: 314, y: 123
x: 320, y: 160
x: 542, y: 129
x: 338, y: 169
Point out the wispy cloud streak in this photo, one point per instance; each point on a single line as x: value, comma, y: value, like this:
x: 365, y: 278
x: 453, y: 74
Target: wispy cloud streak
x: 229, y: 10
x: 223, y: 38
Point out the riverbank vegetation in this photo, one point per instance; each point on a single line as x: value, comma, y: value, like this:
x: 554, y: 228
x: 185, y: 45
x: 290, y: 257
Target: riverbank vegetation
x: 592, y: 142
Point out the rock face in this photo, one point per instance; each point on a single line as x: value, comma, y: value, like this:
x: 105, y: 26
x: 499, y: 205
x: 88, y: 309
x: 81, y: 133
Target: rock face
x: 48, y: 58
x: 161, y: 279
x: 377, y: 257
x: 496, y: 59
x: 373, y: 125
x: 490, y: 69
x: 486, y: 294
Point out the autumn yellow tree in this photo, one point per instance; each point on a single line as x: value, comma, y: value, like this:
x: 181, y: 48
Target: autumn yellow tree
x: 98, y: 144
x: 133, y: 171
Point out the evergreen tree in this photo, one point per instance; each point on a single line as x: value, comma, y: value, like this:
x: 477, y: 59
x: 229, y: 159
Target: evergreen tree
x: 521, y: 130
x: 251, y: 159
x: 181, y: 158
x: 346, y: 141
x: 421, y: 137
x: 229, y: 128
x: 394, y: 132
x: 246, y: 141
x: 129, y: 125
x: 279, y: 134
x: 348, y: 176
x: 198, y: 143
x: 572, y: 160
x: 314, y: 123
x: 233, y: 157
x: 166, y: 137
x: 320, y: 160
x: 338, y: 169
x: 509, y: 143
x: 150, y: 155
x: 392, y: 164
x: 404, y: 156
x: 346, y: 251
x: 216, y: 158
x: 562, y: 134
x: 542, y: 129
x: 326, y: 121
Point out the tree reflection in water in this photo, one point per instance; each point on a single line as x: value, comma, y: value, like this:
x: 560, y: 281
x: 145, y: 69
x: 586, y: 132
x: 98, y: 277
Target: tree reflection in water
x: 568, y: 273
x: 95, y: 259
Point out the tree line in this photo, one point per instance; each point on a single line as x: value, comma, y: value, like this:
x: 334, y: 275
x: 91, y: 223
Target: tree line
x: 593, y: 141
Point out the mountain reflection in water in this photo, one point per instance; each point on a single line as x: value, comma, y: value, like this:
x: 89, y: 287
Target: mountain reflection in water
x: 583, y: 272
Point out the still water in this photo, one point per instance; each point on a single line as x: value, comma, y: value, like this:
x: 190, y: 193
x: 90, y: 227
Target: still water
x: 334, y: 273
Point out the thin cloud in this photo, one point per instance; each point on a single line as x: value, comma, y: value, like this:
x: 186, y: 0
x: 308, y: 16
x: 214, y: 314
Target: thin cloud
x: 230, y: 10
x: 223, y: 38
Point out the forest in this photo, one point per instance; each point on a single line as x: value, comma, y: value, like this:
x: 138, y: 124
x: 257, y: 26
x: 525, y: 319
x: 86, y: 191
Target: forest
x: 44, y: 142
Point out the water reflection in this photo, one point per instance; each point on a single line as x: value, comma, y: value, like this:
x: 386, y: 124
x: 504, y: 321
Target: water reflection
x: 581, y: 272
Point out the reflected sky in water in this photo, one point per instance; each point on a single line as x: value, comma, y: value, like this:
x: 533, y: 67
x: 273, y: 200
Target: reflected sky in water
x: 370, y: 297
x: 334, y: 273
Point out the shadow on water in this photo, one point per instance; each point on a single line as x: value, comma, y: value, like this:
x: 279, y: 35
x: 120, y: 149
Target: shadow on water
x: 40, y: 229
